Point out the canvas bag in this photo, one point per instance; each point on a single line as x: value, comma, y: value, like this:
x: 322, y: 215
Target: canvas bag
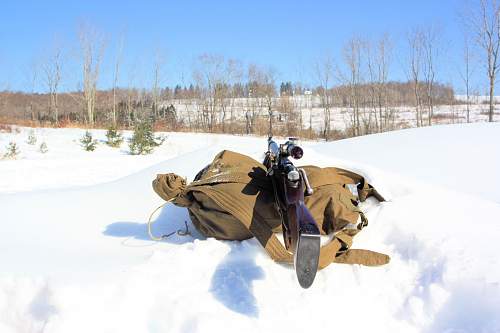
x: 232, y: 199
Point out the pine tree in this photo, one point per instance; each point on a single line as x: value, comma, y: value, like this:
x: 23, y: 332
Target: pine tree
x: 143, y: 140
x: 114, y: 137
x: 31, y: 138
x: 87, y: 142
x: 12, y: 151
x: 43, y: 148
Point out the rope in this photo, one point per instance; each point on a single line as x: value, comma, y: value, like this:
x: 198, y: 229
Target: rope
x: 179, y: 232
x: 150, y: 223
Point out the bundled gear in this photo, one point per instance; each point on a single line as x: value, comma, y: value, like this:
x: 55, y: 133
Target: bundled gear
x: 233, y: 199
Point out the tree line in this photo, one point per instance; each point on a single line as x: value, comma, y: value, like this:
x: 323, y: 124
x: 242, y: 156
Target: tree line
x: 226, y: 95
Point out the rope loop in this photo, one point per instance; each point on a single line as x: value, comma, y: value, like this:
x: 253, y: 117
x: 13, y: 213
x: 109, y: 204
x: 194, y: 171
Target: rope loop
x: 150, y: 223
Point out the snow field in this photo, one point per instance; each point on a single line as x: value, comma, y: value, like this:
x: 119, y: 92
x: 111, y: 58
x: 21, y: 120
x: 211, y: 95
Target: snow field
x: 77, y: 258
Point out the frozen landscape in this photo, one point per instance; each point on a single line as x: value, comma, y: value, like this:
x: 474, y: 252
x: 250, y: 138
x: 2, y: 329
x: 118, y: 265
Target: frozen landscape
x: 76, y: 257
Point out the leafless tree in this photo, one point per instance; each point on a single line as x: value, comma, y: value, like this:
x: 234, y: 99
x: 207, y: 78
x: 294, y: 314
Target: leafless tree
x: 324, y: 74
x: 130, y: 104
x: 92, y: 49
x: 268, y: 90
x: 261, y: 94
x: 431, y: 48
x: 352, y: 57
x: 155, y: 89
x: 416, y: 53
x: 484, y: 22
x: 33, y: 72
x: 209, y: 77
x: 188, y: 97
x: 466, y: 71
x: 288, y: 113
x: 378, y: 61
x: 233, y: 73
x: 116, y: 74
x: 216, y: 75
x: 52, y: 75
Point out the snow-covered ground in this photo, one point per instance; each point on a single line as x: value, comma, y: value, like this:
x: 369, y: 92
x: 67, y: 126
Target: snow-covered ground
x: 75, y: 255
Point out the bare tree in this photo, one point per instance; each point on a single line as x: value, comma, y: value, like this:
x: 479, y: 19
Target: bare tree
x: 431, y: 48
x: 92, y: 48
x: 378, y: 60
x: 324, y: 74
x: 257, y: 79
x: 415, y: 43
x: 33, y: 72
x: 52, y: 73
x: 155, y: 89
x: 232, y: 73
x: 130, y: 104
x: 262, y: 82
x: 466, y: 71
x: 485, y: 25
x: 188, y: 96
x: 208, y: 77
x: 372, y: 84
x: 215, y: 76
x: 269, y: 92
x: 352, y: 57
x: 116, y: 74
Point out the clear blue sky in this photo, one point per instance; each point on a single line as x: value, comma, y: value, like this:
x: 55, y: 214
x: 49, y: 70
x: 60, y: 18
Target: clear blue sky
x: 288, y: 35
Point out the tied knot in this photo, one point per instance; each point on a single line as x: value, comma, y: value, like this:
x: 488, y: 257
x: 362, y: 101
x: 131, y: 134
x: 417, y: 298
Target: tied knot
x: 169, y: 186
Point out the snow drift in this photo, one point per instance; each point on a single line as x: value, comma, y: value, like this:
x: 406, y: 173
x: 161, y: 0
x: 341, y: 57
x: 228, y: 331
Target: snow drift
x: 78, y: 259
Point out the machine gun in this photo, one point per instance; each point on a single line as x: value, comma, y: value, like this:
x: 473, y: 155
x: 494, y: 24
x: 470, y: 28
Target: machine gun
x: 300, y: 231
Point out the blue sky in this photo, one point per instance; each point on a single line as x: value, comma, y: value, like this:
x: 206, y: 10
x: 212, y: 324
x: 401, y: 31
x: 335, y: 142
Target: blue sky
x: 288, y: 35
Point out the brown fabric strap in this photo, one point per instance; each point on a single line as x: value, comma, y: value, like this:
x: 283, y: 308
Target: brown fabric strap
x: 276, y: 250
x: 362, y: 257
x: 338, y: 251
x: 328, y: 253
x: 335, y: 251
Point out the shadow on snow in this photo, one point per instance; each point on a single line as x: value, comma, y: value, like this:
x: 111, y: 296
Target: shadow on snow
x: 232, y: 281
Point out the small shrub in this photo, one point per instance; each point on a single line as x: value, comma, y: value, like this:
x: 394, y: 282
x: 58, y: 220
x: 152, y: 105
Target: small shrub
x: 12, y: 151
x: 160, y: 139
x: 143, y: 140
x: 31, y: 138
x: 87, y: 142
x: 43, y: 148
x: 114, y: 137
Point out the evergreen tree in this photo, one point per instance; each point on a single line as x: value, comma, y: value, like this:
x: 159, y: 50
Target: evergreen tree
x: 43, y: 148
x: 282, y: 88
x: 12, y: 150
x: 114, y: 137
x: 177, y: 92
x: 143, y: 140
x: 87, y: 142
x: 31, y: 138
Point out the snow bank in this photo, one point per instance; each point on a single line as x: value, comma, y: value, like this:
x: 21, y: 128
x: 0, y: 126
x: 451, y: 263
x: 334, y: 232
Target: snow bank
x: 78, y: 259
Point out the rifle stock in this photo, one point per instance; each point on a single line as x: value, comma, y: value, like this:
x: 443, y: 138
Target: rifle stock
x: 300, y: 230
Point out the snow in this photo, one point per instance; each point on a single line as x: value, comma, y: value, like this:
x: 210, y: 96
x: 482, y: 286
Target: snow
x: 341, y: 118
x: 477, y: 98
x: 76, y: 256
